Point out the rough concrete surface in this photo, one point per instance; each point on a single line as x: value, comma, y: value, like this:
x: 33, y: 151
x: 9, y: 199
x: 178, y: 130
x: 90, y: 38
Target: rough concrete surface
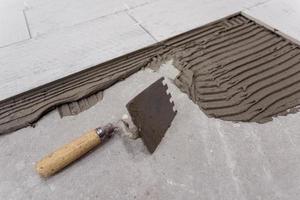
x: 199, y: 157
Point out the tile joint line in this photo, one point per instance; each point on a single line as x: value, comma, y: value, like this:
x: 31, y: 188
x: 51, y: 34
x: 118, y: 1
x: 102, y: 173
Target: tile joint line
x: 136, y: 21
x: 27, y: 24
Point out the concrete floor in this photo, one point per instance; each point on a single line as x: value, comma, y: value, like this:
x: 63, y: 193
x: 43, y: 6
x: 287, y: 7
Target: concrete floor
x: 199, y: 158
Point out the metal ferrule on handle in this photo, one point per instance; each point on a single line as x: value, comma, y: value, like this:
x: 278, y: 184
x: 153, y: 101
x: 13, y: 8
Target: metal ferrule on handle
x: 105, y: 132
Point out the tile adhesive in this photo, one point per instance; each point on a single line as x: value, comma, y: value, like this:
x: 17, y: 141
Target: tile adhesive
x: 233, y: 69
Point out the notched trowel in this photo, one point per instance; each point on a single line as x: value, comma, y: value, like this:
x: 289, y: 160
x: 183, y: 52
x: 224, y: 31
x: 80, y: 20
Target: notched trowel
x: 151, y: 111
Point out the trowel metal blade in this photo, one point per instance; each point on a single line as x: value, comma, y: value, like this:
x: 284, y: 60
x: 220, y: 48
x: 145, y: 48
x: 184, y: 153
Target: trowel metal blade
x: 152, y: 112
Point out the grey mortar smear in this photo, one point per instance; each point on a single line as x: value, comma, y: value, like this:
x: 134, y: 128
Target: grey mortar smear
x: 233, y: 69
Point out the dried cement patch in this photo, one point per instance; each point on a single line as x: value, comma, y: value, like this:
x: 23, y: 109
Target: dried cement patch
x: 234, y: 69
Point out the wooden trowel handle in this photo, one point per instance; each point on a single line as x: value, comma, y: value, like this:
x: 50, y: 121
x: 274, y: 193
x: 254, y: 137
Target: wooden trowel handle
x: 68, y: 153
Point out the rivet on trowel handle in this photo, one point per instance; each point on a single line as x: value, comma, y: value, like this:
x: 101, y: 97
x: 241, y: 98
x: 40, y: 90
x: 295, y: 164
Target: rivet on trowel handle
x: 67, y: 154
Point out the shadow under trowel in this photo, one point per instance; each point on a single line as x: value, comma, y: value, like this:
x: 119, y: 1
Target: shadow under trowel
x: 135, y: 147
